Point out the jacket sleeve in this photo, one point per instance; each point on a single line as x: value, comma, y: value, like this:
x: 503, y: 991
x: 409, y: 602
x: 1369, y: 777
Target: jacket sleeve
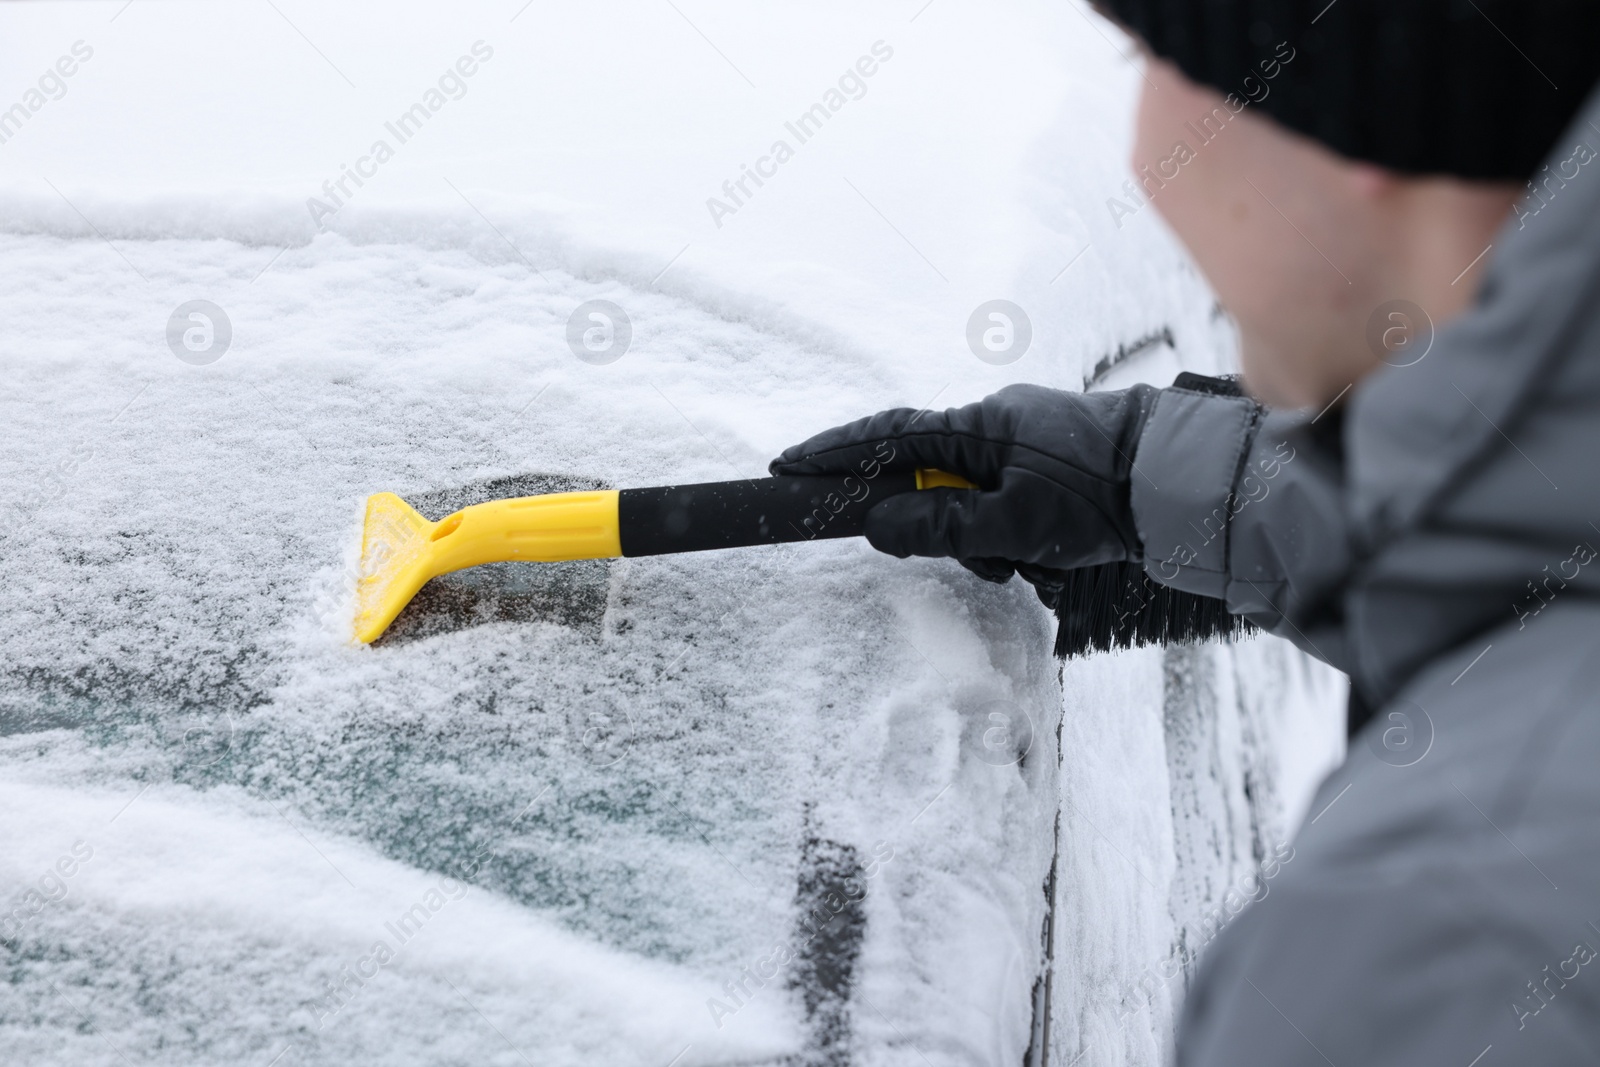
x: 1236, y: 503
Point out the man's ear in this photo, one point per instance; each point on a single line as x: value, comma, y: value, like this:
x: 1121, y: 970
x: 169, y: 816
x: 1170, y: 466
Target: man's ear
x: 1372, y: 182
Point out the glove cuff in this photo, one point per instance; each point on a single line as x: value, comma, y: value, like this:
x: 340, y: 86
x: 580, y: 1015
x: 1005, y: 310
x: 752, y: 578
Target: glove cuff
x: 1182, y: 492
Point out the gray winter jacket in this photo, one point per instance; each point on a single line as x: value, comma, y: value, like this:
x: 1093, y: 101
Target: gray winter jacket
x: 1443, y: 901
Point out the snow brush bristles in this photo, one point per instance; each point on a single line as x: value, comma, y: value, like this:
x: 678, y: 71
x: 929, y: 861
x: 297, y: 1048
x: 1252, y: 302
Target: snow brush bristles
x: 1110, y: 606
x: 1117, y: 605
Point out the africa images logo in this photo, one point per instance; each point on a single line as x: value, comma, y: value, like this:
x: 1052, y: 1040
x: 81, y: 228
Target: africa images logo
x: 736, y: 192
x: 451, y: 85
x: 199, y: 332
x: 999, y: 332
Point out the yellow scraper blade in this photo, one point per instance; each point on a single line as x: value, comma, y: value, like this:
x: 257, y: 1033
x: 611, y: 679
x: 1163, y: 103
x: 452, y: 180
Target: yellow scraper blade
x: 401, y: 550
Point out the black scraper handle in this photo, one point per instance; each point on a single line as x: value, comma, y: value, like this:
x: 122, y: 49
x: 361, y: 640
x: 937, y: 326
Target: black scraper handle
x: 759, y: 511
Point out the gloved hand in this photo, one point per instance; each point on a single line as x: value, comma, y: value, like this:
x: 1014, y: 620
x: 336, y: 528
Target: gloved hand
x: 1053, y: 468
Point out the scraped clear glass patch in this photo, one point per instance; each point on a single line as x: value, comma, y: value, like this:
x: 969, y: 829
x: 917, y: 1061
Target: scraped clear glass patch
x: 570, y: 594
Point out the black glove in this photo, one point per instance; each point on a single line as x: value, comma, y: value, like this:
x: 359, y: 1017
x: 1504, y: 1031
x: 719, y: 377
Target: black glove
x: 1053, y: 468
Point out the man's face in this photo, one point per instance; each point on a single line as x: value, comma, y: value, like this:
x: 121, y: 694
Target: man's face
x: 1302, y: 245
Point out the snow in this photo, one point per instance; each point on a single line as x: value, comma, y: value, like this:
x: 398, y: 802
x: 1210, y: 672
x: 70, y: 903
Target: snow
x: 1233, y: 738
x: 228, y: 914
x: 642, y: 775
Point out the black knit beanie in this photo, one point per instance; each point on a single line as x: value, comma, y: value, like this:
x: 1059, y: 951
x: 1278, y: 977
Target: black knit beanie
x: 1471, y: 88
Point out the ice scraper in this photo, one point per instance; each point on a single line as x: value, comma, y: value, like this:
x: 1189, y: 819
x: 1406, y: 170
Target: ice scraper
x: 1113, y: 605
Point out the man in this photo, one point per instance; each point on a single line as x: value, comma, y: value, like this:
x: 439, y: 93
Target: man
x: 1420, y: 509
